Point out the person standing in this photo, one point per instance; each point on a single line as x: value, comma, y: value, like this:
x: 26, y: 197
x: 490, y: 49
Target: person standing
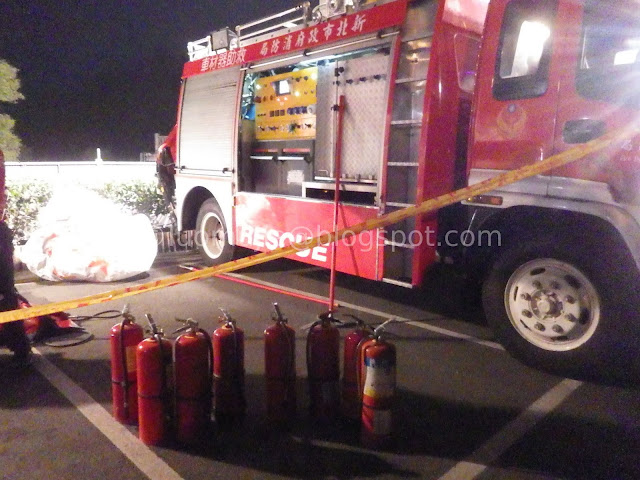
x: 12, y: 335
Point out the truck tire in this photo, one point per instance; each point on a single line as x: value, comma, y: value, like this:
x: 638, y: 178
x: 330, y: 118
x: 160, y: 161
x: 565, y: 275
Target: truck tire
x: 212, y: 237
x: 562, y: 309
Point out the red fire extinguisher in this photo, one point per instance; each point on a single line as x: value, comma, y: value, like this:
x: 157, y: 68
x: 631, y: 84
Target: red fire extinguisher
x: 377, y: 382
x: 155, y: 377
x: 193, y: 370
x: 323, y: 367
x: 280, y: 370
x: 124, y: 340
x: 228, y: 372
x: 351, y: 397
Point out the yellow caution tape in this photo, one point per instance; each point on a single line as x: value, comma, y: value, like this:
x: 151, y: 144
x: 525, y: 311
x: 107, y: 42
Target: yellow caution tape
x: 436, y: 203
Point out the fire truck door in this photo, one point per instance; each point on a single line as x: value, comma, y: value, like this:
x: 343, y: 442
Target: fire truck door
x: 599, y: 93
x: 515, y: 98
x: 406, y: 249
x: 208, y: 123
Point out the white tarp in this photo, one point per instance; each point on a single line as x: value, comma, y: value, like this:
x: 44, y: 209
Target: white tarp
x: 83, y: 236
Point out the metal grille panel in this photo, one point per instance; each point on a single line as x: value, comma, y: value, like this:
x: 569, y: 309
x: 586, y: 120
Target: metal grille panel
x: 326, y: 98
x: 364, y: 83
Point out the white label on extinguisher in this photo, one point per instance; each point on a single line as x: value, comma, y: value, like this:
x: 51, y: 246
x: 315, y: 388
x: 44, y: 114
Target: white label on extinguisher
x: 130, y: 355
x: 380, y: 382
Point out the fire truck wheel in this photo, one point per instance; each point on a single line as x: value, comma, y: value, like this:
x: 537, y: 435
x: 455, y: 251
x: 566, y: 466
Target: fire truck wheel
x: 558, y: 308
x: 211, y: 234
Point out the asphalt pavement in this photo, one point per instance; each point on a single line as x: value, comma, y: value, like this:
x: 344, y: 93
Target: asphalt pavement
x: 463, y: 407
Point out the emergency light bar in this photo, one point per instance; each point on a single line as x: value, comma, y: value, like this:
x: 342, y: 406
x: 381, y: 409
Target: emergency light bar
x: 301, y: 20
x: 221, y: 40
x: 200, y: 48
x: 291, y: 19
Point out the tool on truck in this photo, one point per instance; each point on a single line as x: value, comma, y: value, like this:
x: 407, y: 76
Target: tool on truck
x: 437, y: 95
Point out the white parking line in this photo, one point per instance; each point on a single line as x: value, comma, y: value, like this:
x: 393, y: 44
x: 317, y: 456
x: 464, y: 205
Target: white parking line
x: 136, y: 451
x: 511, y: 433
x: 378, y: 313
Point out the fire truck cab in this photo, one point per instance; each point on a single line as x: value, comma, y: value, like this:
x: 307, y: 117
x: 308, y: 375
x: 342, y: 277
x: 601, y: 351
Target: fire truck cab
x: 420, y: 98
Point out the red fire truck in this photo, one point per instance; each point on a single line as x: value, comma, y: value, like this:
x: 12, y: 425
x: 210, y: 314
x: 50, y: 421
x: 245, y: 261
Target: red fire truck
x: 419, y: 98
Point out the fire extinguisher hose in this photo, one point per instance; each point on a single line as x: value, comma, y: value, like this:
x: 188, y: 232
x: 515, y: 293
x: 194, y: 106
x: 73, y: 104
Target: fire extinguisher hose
x: 291, y: 350
x: 308, y: 350
x: 209, y: 394
x: 123, y: 357
x: 237, y: 379
x: 290, y: 359
x: 164, y: 393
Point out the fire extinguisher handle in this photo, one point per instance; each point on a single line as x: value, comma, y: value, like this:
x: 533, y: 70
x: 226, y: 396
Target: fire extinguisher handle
x: 380, y: 329
x: 279, y: 317
x: 152, y: 323
x: 189, y: 323
x: 126, y: 314
x: 326, y: 317
x: 226, y: 316
x: 358, y: 322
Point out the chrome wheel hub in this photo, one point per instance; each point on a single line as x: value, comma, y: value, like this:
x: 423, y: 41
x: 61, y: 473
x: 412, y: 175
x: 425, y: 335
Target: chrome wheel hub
x: 552, y: 304
x: 212, y: 235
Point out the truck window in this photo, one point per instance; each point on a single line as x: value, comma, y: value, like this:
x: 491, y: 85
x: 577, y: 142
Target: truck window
x: 524, y: 53
x: 609, y: 65
x: 466, y: 49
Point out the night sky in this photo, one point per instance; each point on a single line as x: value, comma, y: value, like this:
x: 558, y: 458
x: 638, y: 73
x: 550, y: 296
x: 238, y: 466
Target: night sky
x: 99, y: 73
